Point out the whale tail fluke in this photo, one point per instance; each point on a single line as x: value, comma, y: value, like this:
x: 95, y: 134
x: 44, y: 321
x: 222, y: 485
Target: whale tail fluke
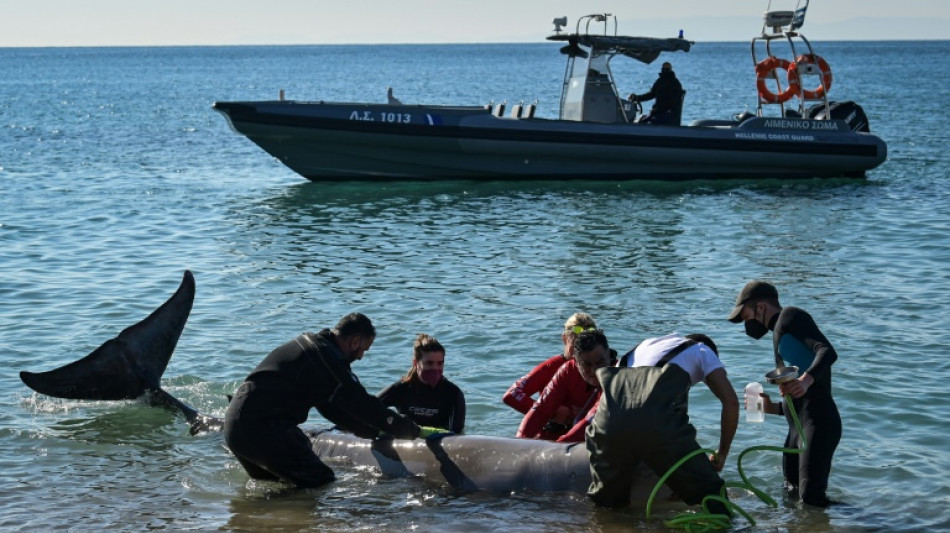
x: 131, y: 364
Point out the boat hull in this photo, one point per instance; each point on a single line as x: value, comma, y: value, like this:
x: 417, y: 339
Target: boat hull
x: 328, y: 141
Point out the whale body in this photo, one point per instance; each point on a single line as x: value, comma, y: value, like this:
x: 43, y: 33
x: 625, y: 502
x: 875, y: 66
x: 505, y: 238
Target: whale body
x: 131, y: 365
x: 481, y: 463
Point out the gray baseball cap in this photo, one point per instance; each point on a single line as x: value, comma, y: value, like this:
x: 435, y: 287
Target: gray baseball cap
x: 753, y: 290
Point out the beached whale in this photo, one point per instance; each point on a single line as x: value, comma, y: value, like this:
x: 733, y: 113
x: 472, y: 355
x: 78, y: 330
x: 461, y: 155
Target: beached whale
x: 131, y: 365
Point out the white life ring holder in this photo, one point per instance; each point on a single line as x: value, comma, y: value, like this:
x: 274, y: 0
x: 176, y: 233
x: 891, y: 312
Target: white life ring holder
x: 825, y: 72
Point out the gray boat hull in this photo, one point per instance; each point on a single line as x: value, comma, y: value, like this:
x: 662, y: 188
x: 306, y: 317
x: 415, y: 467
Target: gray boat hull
x: 333, y: 141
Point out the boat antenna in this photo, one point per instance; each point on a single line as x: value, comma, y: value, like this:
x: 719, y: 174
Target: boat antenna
x: 799, y: 19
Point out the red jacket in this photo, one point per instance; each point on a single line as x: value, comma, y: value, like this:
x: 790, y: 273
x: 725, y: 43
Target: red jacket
x: 578, y: 432
x: 567, y: 387
x: 520, y: 392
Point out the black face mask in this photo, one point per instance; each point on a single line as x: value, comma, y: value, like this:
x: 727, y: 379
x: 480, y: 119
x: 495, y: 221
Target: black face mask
x: 755, y: 329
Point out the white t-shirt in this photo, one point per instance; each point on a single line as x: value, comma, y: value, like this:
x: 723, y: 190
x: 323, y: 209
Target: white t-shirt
x: 698, y: 360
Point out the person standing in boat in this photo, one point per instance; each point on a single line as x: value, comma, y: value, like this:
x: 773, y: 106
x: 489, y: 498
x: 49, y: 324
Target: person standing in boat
x: 519, y: 395
x: 642, y: 417
x: 797, y: 341
x: 424, y: 394
x: 310, y: 371
x: 574, y: 384
x: 668, y: 93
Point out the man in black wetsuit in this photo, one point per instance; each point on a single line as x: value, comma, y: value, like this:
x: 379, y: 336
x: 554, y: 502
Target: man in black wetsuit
x: 669, y: 98
x: 312, y: 370
x: 797, y: 341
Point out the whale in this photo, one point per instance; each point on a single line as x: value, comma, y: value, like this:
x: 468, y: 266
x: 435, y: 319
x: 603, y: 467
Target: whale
x: 130, y: 367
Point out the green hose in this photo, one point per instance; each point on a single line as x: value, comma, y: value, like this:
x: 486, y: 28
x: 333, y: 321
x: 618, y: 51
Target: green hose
x: 706, y: 521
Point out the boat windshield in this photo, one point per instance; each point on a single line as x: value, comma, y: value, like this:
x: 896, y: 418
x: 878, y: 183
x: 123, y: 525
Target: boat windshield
x: 589, y: 92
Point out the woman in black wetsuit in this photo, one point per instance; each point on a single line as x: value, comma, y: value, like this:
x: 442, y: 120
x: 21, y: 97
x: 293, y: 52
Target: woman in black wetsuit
x: 424, y: 394
x: 797, y: 341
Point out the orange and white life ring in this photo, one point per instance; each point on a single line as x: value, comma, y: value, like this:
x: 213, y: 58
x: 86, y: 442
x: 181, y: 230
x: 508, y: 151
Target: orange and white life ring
x: 764, y: 70
x: 824, y: 71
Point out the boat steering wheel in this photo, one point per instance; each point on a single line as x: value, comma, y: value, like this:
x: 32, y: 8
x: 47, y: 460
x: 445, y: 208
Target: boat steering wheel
x: 637, y: 108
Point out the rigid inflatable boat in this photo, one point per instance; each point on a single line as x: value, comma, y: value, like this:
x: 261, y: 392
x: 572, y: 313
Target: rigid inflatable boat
x: 796, y: 131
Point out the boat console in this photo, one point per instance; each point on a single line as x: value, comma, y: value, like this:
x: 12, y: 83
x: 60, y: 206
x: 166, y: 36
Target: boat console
x: 589, y: 92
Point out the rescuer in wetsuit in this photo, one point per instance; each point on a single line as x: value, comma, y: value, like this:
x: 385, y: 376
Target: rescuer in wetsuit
x: 310, y: 371
x: 424, y: 394
x: 797, y: 341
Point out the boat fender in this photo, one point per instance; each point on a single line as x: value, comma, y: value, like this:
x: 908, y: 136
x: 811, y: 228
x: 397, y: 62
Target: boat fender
x: 804, y: 64
x: 764, y: 70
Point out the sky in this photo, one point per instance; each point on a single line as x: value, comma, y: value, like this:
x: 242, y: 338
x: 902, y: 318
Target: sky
x: 32, y: 23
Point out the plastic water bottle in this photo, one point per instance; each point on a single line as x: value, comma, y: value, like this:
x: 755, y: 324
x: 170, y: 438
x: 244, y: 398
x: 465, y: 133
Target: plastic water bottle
x: 754, y: 409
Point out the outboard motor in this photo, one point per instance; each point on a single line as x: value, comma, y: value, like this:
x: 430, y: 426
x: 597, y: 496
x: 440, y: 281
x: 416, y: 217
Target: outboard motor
x: 847, y: 111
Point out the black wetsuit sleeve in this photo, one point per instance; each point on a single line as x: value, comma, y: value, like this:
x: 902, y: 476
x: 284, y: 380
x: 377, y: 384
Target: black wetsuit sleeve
x: 458, y: 422
x: 366, y: 415
x: 389, y: 395
x: 798, y: 323
x: 351, y: 407
x: 396, y: 397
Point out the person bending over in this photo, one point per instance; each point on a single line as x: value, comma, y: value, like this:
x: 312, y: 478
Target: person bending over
x: 310, y: 371
x: 642, y: 416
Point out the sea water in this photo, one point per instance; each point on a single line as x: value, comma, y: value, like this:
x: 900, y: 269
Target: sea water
x: 117, y: 176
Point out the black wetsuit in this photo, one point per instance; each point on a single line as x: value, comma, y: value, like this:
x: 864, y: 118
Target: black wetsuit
x: 442, y: 406
x: 798, y: 341
x: 669, y: 94
x: 642, y: 416
x: 261, y: 423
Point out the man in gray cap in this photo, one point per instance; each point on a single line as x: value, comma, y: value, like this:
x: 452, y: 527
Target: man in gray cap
x: 797, y: 341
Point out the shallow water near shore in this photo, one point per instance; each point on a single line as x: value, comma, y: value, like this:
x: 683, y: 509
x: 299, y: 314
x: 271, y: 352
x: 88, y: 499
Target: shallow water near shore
x: 117, y: 176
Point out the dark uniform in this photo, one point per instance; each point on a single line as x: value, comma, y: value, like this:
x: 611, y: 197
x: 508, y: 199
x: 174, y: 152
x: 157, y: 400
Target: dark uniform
x: 668, y: 93
x: 261, y: 422
x: 442, y: 406
x: 799, y: 342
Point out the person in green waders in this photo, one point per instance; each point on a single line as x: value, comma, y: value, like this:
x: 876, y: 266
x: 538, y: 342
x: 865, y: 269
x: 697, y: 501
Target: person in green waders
x: 642, y: 417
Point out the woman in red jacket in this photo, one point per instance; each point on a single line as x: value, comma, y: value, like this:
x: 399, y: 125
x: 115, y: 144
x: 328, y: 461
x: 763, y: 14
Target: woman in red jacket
x: 575, y: 384
x: 519, y: 395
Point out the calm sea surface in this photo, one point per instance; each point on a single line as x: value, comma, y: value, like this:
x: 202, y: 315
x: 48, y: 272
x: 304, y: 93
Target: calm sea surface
x: 116, y: 176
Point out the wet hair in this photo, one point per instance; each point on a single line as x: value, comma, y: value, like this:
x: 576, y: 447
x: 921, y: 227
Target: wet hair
x: 699, y: 337
x: 586, y: 341
x: 424, y: 344
x: 355, y: 325
x: 579, y: 319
